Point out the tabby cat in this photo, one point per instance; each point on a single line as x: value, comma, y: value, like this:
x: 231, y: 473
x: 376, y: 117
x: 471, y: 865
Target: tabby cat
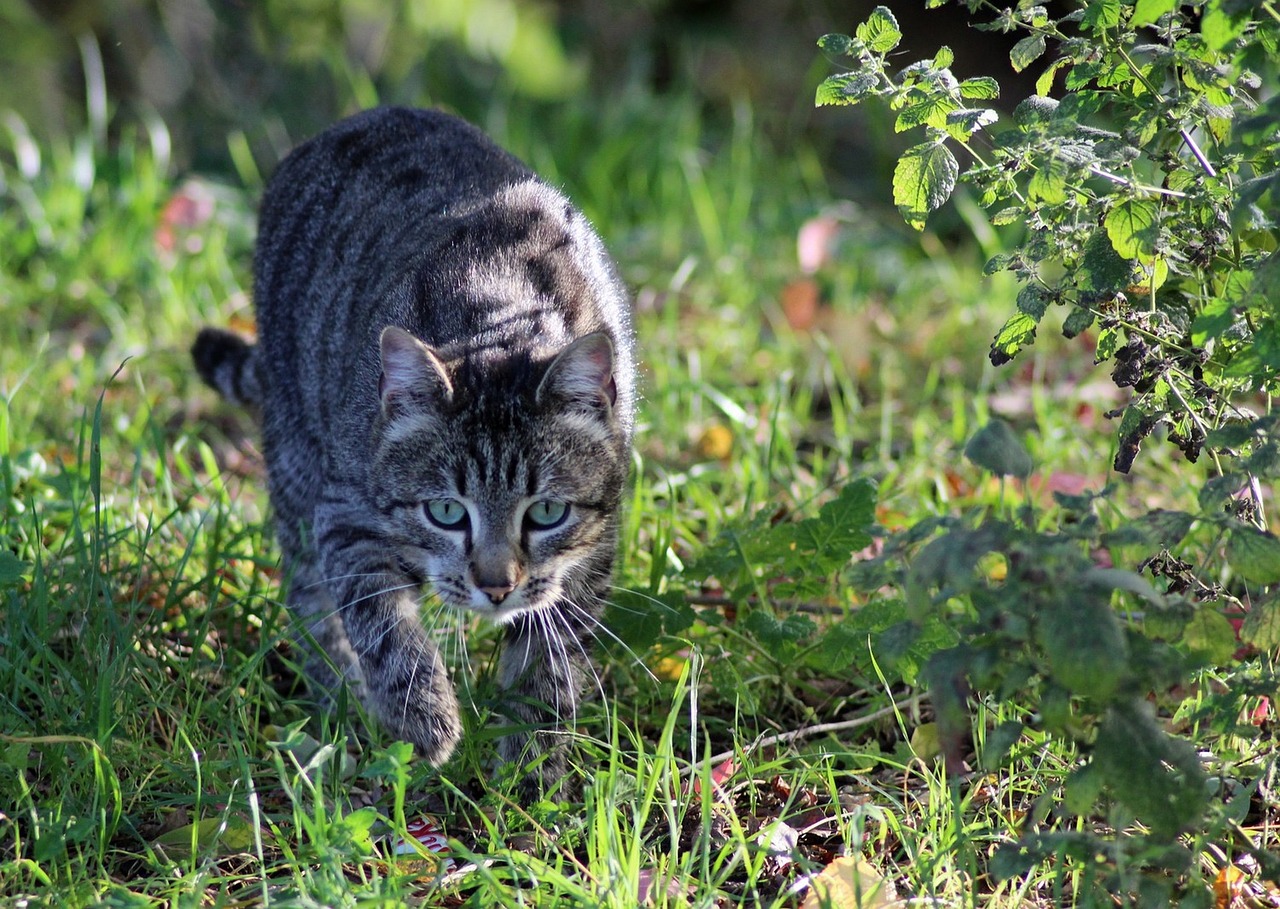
x: 444, y: 374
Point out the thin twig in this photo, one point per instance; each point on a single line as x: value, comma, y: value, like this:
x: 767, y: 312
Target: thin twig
x: 783, y: 738
x: 1195, y: 150
x: 1141, y: 187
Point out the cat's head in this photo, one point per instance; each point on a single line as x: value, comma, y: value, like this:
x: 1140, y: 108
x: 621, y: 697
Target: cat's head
x: 502, y: 482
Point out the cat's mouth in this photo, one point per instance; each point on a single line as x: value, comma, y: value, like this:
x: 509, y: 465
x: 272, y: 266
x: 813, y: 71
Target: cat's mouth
x: 530, y: 596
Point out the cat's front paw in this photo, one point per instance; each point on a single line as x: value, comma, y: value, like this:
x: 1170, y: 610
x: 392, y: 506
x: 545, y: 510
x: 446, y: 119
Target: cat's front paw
x: 424, y: 714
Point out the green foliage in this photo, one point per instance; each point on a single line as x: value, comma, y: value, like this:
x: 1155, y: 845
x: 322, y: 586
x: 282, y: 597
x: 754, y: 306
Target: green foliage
x: 1143, y: 174
x: 1147, y: 188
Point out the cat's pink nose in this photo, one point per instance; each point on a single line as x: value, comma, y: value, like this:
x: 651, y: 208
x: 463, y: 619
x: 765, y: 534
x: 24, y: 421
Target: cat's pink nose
x: 497, y: 594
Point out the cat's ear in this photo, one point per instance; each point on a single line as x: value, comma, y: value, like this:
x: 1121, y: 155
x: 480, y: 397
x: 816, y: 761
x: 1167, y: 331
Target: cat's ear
x: 582, y: 374
x: 412, y: 374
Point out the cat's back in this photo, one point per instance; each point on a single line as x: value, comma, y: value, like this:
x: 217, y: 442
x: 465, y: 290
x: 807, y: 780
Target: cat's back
x: 364, y: 193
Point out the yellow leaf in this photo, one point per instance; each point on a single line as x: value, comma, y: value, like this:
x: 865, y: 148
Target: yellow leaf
x: 849, y: 883
x: 926, y: 741
x: 715, y: 443
x: 669, y: 668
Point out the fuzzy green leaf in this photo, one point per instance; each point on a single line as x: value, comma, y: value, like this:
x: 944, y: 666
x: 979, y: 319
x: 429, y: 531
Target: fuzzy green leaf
x: 1157, y: 776
x: 930, y: 110
x: 1034, y: 112
x: 1033, y: 300
x: 1220, y: 27
x: 1044, y: 84
x: 944, y: 58
x: 1146, y: 12
x: 1133, y: 227
x: 1026, y: 52
x: 994, y: 447
x: 1017, y: 333
x: 1101, y: 269
x: 980, y: 88
x: 1084, y: 644
x: 1261, y: 627
x: 1049, y: 182
x: 840, y: 527
x: 1255, y: 555
x: 638, y: 619
x: 880, y: 32
x: 923, y: 179
x: 845, y: 88
x: 1101, y: 14
x: 1077, y: 321
x: 1210, y: 634
x: 779, y: 636
x: 836, y: 44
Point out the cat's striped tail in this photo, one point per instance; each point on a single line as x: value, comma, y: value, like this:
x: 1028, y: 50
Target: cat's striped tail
x: 229, y: 364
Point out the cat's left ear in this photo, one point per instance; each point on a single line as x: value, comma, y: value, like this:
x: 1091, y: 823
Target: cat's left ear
x: 582, y: 374
x: 412, y: 374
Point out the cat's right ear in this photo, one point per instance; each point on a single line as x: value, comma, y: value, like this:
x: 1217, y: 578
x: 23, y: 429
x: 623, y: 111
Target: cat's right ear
x: 413, y: 377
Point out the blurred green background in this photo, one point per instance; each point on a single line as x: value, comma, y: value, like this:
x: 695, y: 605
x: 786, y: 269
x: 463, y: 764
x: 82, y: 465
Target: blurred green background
x: 270, y: 73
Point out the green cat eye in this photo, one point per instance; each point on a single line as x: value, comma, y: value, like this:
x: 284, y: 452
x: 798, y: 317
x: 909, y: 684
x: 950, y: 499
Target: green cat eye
x: 547, y: 513
x: 446, y: 513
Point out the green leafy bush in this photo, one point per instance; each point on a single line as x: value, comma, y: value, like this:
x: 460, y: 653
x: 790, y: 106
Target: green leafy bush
x: 1145, y: 173
x: 1148, y: 191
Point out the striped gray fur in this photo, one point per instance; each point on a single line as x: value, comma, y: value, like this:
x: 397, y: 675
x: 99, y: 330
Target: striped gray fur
x: 444, y: 359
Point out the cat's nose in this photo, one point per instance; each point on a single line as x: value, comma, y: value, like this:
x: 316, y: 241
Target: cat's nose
x: 497, y: 594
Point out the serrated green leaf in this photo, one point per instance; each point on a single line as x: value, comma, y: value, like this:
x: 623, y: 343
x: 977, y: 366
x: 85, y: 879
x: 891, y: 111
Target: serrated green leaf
x: 1034, y: 112
x: 931, y: 110
x: 843, y: 645
x: 1033, y: 300
x: 779, y: 636
x: 12, y: 568
x: 1133, y: 226
x: 1026, y: 52
x: 1077, y: 321
x: 845, y: 88
x: 1101, y: 268
x: 1146, y: 12
x: 1049, y: 182
x: 638, y: 619
x: 1216, y: 317
x: 1210, y: 634
x: 1082, y: 789
x: 1156, y: 776
x: 923, y: 180
x: 1006, y: 216
x: 1261, y: 627
x: 980, y: 88
x: 965, y: 121
x: 1014, y: 335
x: 1101, y: 14
x: 839, y: 530
x: 1044, y: 84
x: 1084, y: 644
x: 994, y: 447
x: 1255, y: 555
x: 1220, y: 27
x: 880, y: 32
x: 836, y: 44
x: 944, y: 58
x: 1109, y: 339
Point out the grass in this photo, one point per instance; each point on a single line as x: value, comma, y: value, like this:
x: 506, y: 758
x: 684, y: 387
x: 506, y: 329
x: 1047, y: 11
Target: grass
x: 157, y: 747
